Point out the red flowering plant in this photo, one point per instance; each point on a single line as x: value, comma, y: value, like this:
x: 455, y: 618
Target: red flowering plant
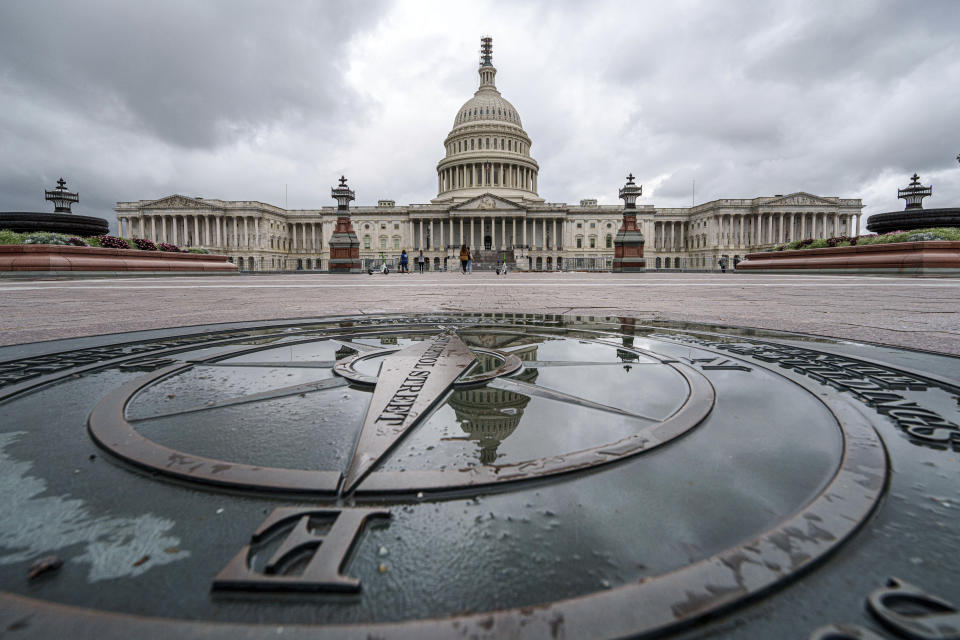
x: 77, y: 242
x: 144, y: 245
x: 112, y: 242
x: 166, y: 246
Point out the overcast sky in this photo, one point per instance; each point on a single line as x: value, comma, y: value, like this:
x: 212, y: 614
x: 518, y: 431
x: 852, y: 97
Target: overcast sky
x: 251, y: 100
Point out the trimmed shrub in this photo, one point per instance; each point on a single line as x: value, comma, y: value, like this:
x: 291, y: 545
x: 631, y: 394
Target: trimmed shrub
x: 10, y: 237
x: 45, y: 238
x: 203, y: 251
x: 77, y: 242
x: 166, y: 246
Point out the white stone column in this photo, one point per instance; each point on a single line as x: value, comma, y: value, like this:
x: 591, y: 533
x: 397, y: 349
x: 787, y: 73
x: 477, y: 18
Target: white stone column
x: 513, y: 233
x: 420, y: 234
x: 523, y: 230
x: 153, y: 228
x: 256, y: 232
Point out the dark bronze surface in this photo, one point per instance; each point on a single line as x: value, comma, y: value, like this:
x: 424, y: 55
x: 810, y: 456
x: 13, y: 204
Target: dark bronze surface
x: 670, y: 474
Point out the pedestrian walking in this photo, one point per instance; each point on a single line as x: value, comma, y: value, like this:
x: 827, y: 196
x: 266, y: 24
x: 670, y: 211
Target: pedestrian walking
x: 420, y: 261
x: 723, y: 264
x: 404, y: 261
x: 469, y: 260
x: 736, y: 261
x: 463, y: 259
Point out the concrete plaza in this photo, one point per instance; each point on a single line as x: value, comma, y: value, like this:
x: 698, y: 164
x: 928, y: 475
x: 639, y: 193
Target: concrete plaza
x: 907, y: 312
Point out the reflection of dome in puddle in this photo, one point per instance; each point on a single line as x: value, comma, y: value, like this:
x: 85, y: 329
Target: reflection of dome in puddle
x: 488, y: 416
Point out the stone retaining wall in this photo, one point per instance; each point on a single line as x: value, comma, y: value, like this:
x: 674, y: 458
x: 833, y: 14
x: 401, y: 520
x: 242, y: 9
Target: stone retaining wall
x: 934, y: 257
x: 50, y: 257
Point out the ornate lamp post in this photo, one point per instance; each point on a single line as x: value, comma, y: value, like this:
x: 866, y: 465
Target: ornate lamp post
x: 61, y: 198
x: 628, y: 243
x: 915, y: 193
x: 344, y: 244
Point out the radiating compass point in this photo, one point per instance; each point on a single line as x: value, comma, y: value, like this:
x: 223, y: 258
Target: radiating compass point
x: 411, y: 381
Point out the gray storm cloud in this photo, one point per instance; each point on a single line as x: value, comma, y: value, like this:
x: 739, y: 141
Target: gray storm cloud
x: 252, y: 100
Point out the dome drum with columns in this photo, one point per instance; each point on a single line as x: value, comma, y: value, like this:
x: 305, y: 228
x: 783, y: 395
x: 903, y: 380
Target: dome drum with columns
x: 487, y: 198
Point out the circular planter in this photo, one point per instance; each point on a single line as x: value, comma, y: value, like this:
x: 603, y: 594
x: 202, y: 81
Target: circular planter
x: 933, y: 257
x: 48, y: 257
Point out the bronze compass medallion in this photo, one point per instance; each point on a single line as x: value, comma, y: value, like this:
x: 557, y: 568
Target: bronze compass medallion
x: 475, y: 475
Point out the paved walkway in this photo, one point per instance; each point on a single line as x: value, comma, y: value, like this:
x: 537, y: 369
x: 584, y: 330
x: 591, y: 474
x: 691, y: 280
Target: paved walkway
x: 910, y: 312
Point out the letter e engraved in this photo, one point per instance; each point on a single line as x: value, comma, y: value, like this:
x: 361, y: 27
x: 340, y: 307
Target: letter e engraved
x: 327, y: 553
x: 912, y: 613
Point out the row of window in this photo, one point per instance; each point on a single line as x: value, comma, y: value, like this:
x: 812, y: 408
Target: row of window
x: 593, y: 241
x: 383, y: 242
x: 593, y: 225
x: 506, y: 144
x: 487, y: 111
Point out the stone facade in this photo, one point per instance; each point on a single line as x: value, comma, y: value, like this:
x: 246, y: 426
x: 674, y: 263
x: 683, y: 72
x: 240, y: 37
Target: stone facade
x: 487, y: 198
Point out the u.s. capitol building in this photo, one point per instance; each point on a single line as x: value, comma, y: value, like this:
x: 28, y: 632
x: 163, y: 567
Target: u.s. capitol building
x: 487, y: 198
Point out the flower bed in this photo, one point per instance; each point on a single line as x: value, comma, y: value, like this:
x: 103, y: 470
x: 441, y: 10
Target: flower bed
x: 43, y: 251
x: 68, y: 258
x: 919, y: 235
x: 929, y: 257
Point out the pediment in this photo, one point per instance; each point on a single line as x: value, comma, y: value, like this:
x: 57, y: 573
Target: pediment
x: 486, y: 202
x: 177, y: 201
x: 801, y: 198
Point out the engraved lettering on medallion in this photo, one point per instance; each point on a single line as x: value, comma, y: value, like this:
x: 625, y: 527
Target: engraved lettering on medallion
x: 325, y: 555
x: 871, y: 383
x: 719, y: 364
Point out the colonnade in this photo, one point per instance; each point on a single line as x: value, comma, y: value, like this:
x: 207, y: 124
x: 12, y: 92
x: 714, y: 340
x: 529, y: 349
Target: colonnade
x: 750, y: 229
x: 504, y: 232
x: 487, y: 174
x: 227, y: 232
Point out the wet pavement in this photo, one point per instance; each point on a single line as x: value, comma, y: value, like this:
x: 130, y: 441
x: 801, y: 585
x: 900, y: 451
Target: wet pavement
x: 921, y: 313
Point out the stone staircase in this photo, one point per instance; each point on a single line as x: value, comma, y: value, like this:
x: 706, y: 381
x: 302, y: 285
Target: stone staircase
x: 486, y: 260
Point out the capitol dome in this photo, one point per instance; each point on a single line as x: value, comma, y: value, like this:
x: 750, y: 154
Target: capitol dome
x: 487, y: 151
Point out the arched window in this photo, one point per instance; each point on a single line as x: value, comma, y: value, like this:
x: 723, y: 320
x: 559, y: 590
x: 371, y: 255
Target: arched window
x: 501, y: 143
x: 658, y: 263
x: 579, y: 242
x: 494, y: 143
x: 609, y: 241
x: 676, y: 263
x: 396, y: 242
x: 383, y: 242
x: 593, y: 242
x: 509, y: 145
x: 366, y: 242
x: 488, y: 143
x: 471, y: 144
